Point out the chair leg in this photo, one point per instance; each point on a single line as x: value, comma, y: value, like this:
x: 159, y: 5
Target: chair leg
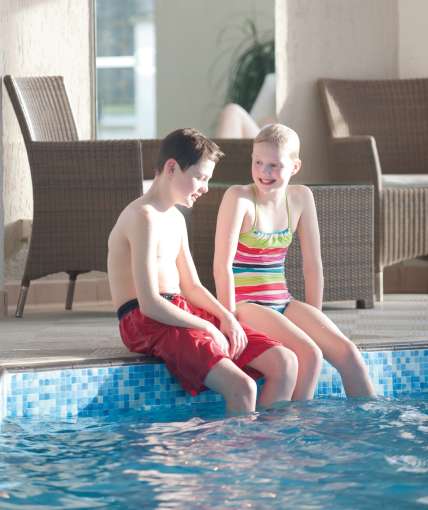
x: 379, y: 286
x: 21, y: 300
x: 70, y: 290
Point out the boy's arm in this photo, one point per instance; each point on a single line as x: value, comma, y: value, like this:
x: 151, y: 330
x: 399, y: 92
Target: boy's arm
x: 199, y: 296
x: 229, y: 222
x: 309, y: 238
x: 141, y: 233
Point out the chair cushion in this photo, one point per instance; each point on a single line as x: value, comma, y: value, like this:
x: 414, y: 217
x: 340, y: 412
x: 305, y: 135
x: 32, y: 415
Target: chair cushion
x: 404, y: 180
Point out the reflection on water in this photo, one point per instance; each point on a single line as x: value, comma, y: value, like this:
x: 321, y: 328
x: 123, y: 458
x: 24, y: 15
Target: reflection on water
x: 321, y: 454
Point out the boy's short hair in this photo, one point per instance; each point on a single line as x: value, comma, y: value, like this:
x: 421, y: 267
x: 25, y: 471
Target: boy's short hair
x: 187, y: 146
x: 281, y: 136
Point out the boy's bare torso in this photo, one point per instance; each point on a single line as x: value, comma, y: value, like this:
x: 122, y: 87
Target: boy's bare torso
x: 168, y: 227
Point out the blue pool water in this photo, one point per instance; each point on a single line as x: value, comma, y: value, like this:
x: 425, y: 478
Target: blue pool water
x: 330, y: 453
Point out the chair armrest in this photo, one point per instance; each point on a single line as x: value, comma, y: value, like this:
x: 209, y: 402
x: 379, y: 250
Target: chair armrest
x: 234, y: 168
x: 109, y: 164
x: 150, y: 149
x: 356, y: 160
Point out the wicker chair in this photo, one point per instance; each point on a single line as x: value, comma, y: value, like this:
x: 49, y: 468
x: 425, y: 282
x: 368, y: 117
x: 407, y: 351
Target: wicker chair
x: 346, y: 244
x: 378, y: 133
x: 79, y: 187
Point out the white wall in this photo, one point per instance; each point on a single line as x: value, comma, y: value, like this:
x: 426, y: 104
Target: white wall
x: 39, y: 37
x: 413, y: 38
x: 193, y: 57
x: 329, y: 38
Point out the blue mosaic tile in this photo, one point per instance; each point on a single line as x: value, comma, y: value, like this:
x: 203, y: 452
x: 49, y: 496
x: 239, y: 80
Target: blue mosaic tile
x: 100, y: 391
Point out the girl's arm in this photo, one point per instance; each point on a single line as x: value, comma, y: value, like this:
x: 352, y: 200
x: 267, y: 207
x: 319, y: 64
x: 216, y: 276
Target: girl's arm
x: 229, y: 222
x: 309, y: 238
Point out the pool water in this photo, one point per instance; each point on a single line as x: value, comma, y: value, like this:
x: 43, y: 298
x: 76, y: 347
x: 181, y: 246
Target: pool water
x: 329, y: 453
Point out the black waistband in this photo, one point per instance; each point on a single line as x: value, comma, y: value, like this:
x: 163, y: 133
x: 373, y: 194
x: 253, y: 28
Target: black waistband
x: 127, y: 307
x: 168, y: 296
x: 132, y: 304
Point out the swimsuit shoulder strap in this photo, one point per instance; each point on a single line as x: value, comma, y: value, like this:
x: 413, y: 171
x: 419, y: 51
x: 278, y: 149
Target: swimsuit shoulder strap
x: 253, y: 190
x: 290, y: 223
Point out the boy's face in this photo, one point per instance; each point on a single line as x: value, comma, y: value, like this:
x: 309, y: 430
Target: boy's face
x: 272, y: 166
x: 191, y: 183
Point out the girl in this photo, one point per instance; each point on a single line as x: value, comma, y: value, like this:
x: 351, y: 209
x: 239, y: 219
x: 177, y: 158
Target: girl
x: 255, y: 226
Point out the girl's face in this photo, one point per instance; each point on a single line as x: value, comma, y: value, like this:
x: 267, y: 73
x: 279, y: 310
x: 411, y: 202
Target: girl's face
x: 272, y: 166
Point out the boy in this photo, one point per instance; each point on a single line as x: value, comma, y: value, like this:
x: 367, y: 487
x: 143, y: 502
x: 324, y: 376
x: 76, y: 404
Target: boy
x: 162, y: 307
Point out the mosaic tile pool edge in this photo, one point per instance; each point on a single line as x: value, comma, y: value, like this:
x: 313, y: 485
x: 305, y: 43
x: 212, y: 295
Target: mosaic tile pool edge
x: 3, y: 394
x: 105, y: 390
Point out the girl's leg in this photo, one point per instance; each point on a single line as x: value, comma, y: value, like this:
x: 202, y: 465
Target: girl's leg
x: 279, y: 367
x: 238, y: 389
x: 235, y: 122
x: 337, y: 349
x: 279, y: 328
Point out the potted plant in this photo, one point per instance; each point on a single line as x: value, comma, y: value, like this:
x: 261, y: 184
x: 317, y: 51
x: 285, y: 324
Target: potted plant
x: 255, y: 59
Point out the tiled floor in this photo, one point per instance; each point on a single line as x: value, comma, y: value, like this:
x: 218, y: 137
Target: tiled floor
x: 48, y: 335
x: 402, y: 319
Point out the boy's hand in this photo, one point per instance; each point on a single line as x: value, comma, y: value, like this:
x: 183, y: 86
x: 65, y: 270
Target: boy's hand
x: 220, y: 339
x: 231, y: 328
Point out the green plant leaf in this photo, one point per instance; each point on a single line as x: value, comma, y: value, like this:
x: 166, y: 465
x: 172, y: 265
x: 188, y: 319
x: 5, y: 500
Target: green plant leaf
x: 250, y: 68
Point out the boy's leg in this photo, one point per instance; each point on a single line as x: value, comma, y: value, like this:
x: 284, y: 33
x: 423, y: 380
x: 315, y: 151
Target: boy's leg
x: 191, y: 355
x: 279, y: 367
x: 238, y: 389
x: 278, y: 327
x: 337, y: 349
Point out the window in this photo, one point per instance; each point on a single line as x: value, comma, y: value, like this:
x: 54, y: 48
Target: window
x: 125, y: 69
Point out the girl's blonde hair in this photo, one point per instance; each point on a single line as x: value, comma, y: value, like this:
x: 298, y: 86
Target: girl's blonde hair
x: 281, y: 136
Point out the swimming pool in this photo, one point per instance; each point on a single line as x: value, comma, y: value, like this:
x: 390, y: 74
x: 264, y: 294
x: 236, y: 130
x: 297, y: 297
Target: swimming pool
x: 330, y: 453
x: 127, y: 437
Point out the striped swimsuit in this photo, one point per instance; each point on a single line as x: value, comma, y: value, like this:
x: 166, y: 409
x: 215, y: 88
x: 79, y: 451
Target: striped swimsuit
x: 258, y: 267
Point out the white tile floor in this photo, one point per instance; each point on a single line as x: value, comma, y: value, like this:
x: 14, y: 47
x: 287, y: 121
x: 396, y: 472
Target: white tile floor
x: 48, y: 335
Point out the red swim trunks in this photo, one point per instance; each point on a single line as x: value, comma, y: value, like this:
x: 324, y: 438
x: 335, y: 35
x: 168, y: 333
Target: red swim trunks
x: 188, y: 353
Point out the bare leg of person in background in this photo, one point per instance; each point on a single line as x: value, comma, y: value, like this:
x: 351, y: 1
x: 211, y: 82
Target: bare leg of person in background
x: 235, y: 122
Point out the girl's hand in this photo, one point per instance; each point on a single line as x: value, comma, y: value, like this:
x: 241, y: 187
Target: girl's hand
x: 234, y: 332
